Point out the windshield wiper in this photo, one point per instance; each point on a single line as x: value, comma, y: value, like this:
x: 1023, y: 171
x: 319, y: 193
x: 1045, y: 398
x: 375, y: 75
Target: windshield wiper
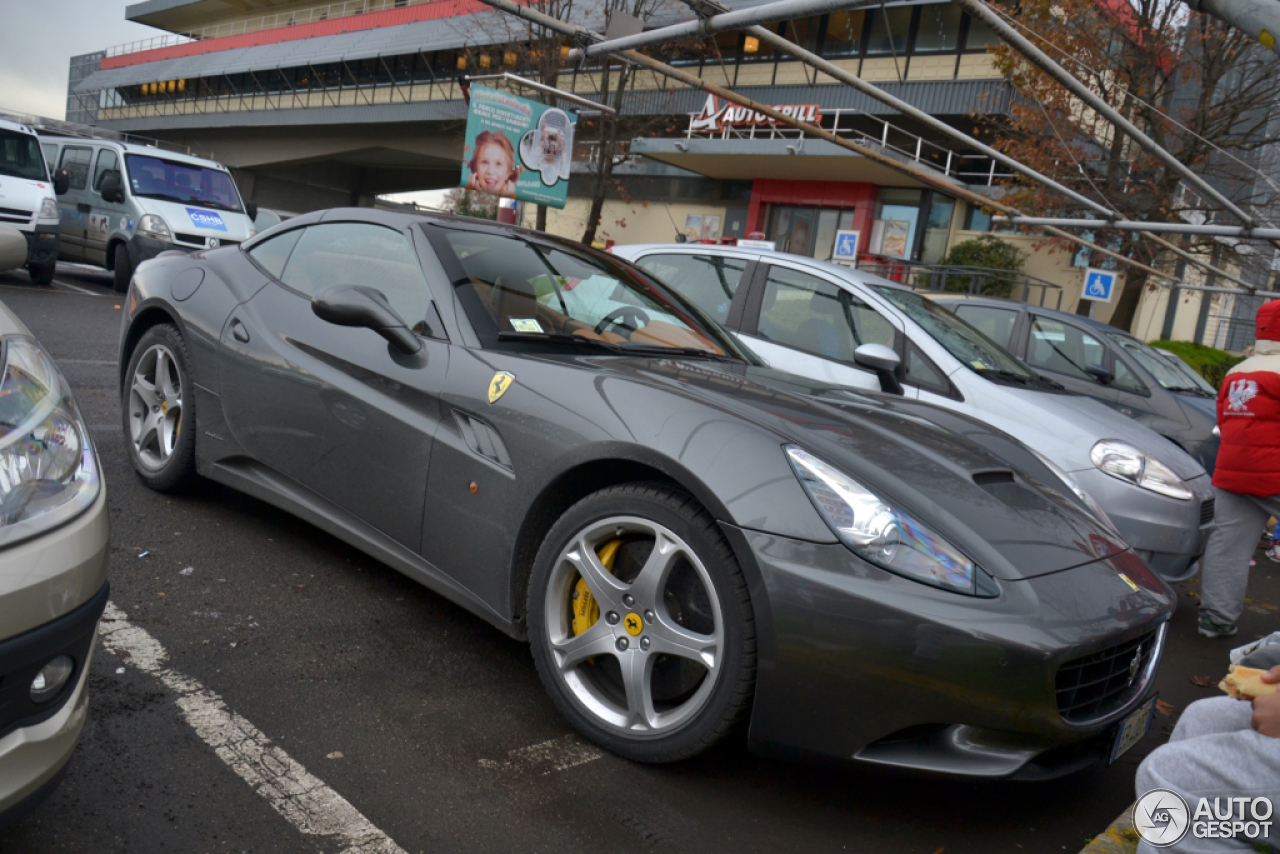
x: 659, y: 350
x: 1009, y: 376
x: 559, y: 338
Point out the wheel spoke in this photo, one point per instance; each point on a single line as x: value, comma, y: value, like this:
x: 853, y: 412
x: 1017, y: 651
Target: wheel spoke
x: 636, y: 669
x: 164, y: 375
x: 669, y: 638
x: 145, y: 390
x: 149, y: 434
x: 653, y: 575
x: 571, y: 652
x: 167, y: 429
x: 606, y: 589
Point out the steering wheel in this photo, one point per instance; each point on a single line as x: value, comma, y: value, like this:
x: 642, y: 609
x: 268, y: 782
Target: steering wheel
x: 632, y: 313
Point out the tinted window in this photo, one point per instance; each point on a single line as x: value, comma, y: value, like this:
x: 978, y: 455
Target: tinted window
x: 357, y: 253
x: 818, y: 316
x: 708, y: 281
x: 182, y: 182
x: 76, y: 162
x: 272, y: 254
x: 1125, y: 378
x: 995, y: 323
x: 20, y: 155
x: 923, y: 372
x: 889, y: 29
x: 107, y: 165
x: 1055, y: 346
x: 939, y: 28
x: 1169, y: 373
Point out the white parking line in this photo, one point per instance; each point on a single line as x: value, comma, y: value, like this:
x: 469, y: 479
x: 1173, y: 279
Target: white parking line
x: 303, y: 799
x: 561, y: 754
x: 77, y: 288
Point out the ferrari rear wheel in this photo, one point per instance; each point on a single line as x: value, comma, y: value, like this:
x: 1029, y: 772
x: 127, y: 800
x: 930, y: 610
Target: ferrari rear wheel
x: 158, y: 409
x: 641, y: 625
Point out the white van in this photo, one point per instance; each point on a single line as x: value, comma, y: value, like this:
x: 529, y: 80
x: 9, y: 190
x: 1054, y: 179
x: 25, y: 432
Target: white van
x: 126, y: 203
x: 27, y: 199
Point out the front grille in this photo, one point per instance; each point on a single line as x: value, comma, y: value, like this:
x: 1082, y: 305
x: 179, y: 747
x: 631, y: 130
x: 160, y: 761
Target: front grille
x: 1095, y: 685
x: 199, y: 240
x: 1206, y: 511
x: 25, y: 215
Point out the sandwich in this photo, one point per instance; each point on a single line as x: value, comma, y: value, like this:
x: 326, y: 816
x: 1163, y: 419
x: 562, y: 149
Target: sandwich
x: 1245, y: 683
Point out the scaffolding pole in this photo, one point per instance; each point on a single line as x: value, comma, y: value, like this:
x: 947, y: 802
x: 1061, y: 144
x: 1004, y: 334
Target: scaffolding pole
x: 1160, y: 227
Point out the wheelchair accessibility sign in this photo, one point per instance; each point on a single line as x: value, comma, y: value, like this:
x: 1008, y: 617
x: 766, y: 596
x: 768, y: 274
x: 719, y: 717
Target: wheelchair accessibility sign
x: 846, y: 247
x: 1099, y: 285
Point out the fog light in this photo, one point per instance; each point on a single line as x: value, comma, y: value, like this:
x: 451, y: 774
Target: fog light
x: 49, y: 681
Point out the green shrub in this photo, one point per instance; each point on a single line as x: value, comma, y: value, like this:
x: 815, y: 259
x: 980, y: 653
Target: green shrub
x: 1210, y: 363
x: 985, y: 251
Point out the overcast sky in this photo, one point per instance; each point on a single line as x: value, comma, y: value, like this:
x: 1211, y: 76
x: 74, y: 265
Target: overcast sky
x: 38, y: 39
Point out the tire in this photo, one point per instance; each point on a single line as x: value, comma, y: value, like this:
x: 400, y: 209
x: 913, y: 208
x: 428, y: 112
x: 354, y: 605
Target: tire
x: 158, y: 408
x: 682, y: 624
x: 42, y: 274
x: 123, y: 268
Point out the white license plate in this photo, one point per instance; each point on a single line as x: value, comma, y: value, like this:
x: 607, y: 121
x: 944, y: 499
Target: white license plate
x: 1133, y: 729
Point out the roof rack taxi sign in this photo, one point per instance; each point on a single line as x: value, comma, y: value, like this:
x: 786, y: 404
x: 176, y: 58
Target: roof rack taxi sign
x: 717, y: 116
x: 517, y: 148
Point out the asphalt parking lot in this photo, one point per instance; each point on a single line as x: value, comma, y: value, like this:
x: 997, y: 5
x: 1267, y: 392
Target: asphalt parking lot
x: 393, y: 718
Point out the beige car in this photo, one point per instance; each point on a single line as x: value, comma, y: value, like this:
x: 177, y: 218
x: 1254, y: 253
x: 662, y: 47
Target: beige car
x: 53, y: 569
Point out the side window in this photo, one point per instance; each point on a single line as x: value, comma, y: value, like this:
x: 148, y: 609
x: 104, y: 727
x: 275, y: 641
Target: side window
x: 358, y: 253
x: 922, y: 372
x: 107, y: 165
x: 1126, y: 378
x: 50, y: 155
x: 995, y: 323
x: 272, y: 254
x: 1055, y: 346
x: 817, y: 316
x: 708, y: 281
x: 76, y: 161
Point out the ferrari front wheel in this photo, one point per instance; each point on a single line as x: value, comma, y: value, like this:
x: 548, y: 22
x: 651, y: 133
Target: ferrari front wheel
x: 158, y: 409
x: 641, y: 625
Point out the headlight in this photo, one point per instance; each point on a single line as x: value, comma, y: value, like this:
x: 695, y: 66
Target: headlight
x: 49, y: 209
x: 154, y: 226
x: 48, y: 473
x: 883, y: 535
x: 1078, y: 491
x: 1126, y: 462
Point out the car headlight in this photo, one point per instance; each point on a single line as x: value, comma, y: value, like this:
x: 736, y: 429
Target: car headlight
x: 1124, y: 461
x: 49, y: 209
x: 48, y: 473
x: 882, y: 534
x: 154, y: 226
x: 1078, y: 491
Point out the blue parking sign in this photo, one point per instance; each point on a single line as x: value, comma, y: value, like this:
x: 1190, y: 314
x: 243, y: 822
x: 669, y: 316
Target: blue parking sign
x: 846, y: 248
x: 1099, y: 285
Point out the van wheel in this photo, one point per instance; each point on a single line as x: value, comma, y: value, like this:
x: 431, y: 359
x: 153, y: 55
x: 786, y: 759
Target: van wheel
x: 123, y: 267
x: 42, y: 274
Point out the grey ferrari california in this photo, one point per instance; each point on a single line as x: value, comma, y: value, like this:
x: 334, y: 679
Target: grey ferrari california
x: 688, y: 540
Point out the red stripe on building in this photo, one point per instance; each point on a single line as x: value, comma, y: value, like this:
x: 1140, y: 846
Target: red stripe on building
x: 349, y: 24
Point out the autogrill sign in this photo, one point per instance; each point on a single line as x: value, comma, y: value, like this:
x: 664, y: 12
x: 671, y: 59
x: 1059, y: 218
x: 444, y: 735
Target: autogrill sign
x: 717, y: 116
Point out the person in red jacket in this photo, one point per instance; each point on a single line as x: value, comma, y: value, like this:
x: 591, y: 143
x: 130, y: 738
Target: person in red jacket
x: 1246, y: 479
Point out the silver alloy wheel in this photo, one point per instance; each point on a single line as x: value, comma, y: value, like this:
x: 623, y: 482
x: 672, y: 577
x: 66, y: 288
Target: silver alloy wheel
x: 155, y: 406
x: 636, y: 627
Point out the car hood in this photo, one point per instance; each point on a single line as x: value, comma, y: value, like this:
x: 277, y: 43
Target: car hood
x: 1065, y: 427
x: 946, y: 470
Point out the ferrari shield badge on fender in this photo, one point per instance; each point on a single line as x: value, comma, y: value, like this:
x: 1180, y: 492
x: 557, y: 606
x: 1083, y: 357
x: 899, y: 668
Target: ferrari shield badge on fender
x: 499, y: 384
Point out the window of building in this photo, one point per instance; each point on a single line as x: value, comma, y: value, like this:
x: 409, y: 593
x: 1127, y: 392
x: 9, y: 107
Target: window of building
x: 900, y: 211
x: 939, y: 29
x: 980, y: 35
x: 937, y: 228
x: 843, y: 35
x: 708, y: 281
x: 976, y: 219
x: 889, y: 30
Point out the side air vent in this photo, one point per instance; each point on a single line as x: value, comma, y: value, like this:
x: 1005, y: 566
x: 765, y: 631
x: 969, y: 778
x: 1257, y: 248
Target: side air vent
x: 987, y: 478
x: 482, y: 439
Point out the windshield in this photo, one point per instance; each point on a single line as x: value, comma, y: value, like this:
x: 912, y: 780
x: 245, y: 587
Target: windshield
x: 516, y: 287
x: 188, y: 183
x: 20, y: 156
x: 959, y: 338
x: 1172, y: 373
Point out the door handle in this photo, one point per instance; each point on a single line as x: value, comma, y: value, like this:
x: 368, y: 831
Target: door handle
x: 239, y: 332
x: 83, y: 208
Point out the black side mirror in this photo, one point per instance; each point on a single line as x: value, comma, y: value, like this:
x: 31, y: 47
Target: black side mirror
x: 111, y: 190
x: 1099, y: 373
x: 61, y: 181
x: 360, y: 305
x: 882, y: 360
x: 251, y: 208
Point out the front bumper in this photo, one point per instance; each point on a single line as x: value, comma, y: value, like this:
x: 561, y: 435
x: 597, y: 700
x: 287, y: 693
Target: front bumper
x: 1170, y: 535
x: 42, y: 245
x: 143, y: 248
x: 856, y: 663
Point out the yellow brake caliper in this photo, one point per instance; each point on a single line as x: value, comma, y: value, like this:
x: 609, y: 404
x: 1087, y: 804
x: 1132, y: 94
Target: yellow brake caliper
x: 585, y: 609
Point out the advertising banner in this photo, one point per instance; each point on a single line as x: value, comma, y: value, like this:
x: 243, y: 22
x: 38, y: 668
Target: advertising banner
x: 517, y: 148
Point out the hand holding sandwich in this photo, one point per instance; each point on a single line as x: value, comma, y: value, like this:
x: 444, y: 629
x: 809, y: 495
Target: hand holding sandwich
x: 1266, y: 709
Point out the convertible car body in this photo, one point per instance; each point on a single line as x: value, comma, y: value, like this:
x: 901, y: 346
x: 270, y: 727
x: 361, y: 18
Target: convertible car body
x: 688, y: 539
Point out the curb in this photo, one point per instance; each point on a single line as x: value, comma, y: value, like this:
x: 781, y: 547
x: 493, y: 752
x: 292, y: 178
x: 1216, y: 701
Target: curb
x: 1119, y: 838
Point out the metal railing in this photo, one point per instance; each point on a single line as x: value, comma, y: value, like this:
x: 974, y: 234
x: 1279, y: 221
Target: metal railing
x: 959, y: 279
x: 967, y: 167
x: 258, y: 23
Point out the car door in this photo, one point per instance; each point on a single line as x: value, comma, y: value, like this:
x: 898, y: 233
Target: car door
x: 73, y: 205
x: 337, y: 409
x: 808, y: 325
x: 710, y: 281
x: 104, y: 217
